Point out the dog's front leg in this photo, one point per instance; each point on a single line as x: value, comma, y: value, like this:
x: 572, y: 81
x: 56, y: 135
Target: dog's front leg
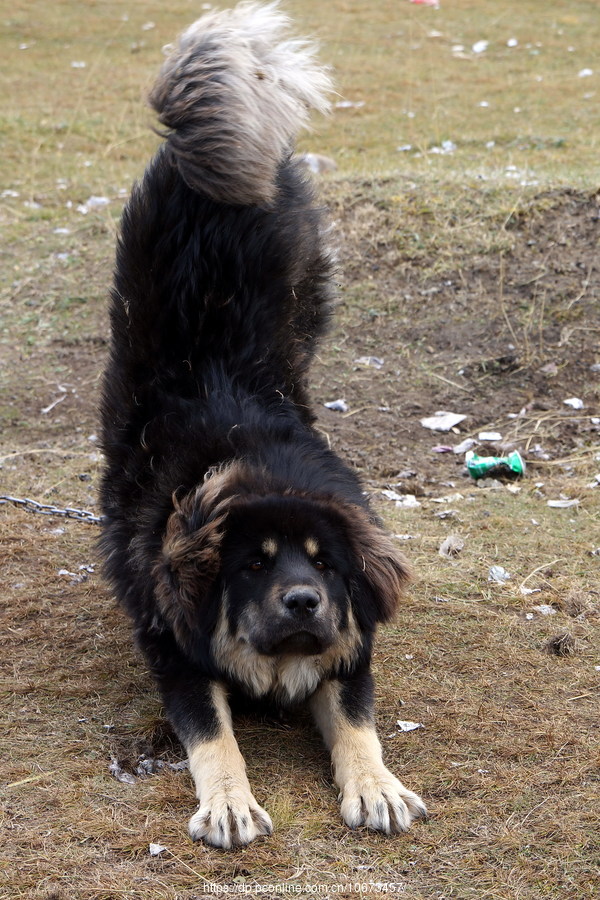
x: 370, y: 795
x: 228, y: 815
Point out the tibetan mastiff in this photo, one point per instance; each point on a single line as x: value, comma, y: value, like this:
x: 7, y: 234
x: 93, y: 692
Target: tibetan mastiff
x: 241, y: 546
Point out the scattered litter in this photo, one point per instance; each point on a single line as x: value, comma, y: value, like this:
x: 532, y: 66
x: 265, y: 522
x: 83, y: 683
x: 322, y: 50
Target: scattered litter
x: 407, y: 501
x: 78, y: 64
x: 119, y: 773
x: 409, y: 726
x: 446, y: 514
x: 75, y: 578
x: 337, y: 405
x: 538, y: 451
x: 489, y: 436
x: 147, y: 765
x: 498, y: 575
x: 442, y: 421
x: 480, y: 46
x: 54, y: 403
x: 349, y: 104
x: 445, y: 148
x: 545, y: 609
x: 511, y: 466
x: 404, y: 148
x: 156, y: 849
x: 595, y: 482
x: 407, y: 537
x: 451, y: 546
x: 585, y: 73
x: 434, y: 3
x: 392, y: 495
x: 574, y: 403
x: 318, y: 163
x: 148, y: 26
x: 441, y: 448
x: 512, y: 42
x: 373, y: 361
x: 526, y: 591
x: 92, y: 203
x: 562, y: 504
x: 465, y: 445
x: 449, y: 498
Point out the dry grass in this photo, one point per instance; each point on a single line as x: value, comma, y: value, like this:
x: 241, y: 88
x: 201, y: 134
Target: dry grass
x: 508, y: 758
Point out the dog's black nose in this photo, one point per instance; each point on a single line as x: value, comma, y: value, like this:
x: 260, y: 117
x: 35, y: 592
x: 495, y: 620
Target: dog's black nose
x: 301, y: 601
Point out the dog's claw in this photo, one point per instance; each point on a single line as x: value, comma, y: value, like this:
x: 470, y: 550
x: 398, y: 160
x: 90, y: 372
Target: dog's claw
x: 229, y: 822
x: 380, y: 802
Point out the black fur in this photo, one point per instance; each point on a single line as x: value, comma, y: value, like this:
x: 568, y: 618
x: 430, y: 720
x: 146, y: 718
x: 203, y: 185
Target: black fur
x: 218, y: 492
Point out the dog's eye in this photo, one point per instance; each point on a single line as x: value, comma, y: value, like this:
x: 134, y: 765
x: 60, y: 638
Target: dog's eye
x: 256, y: 566
x: 319, y: 565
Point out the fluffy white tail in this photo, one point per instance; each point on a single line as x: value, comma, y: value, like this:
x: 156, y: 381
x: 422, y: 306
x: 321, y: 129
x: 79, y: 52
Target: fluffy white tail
x: 233, y: 94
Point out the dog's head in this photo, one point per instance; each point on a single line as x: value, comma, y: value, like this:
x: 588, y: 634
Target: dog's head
x: 275, y: 573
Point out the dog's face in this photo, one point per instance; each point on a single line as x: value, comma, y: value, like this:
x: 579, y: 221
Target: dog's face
x: 285, y: 577
x: 284, y: 588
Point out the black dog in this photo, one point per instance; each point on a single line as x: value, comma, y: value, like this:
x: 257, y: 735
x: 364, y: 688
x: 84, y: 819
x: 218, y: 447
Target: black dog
x: 241, y: 546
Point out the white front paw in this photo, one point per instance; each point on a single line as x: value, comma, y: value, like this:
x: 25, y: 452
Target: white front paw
x: 229, y: 820
x: 378, y: 800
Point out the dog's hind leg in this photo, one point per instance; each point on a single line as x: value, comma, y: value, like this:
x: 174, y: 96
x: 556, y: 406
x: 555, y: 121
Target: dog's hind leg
x: 370, y: 795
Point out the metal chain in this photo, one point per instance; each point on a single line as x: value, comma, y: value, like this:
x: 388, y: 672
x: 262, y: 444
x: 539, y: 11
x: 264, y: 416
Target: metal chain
x: 82, y: 515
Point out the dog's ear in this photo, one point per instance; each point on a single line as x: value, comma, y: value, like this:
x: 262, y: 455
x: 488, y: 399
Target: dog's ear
x: 381, y: 571
x: 190, y: 557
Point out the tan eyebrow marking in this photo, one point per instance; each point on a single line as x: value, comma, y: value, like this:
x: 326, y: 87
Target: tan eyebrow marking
x: 311, y: 546
x: 269, y: 547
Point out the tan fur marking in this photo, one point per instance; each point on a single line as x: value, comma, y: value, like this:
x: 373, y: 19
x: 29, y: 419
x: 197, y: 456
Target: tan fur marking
x: 269, y: 547
x: 228, y: 814
x: 311, y: 546
x: 288, y: 677
x: 370, y: 795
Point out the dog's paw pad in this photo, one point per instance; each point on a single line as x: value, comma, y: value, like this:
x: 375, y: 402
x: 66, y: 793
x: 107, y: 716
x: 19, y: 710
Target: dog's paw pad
x: 229, y: 822
x: 381, y: 802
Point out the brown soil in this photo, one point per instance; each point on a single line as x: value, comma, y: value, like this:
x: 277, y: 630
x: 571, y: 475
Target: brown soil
x: 500, y: 334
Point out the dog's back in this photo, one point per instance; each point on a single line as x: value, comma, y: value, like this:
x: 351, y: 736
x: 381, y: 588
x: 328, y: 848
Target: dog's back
x: 221, y: 256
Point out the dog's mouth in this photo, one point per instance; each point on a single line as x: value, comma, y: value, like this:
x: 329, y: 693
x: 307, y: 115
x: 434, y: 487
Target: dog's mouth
x: 303, y: 643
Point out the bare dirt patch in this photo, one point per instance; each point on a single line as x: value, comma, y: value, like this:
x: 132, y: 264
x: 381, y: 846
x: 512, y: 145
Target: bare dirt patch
x: 512, y: 333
